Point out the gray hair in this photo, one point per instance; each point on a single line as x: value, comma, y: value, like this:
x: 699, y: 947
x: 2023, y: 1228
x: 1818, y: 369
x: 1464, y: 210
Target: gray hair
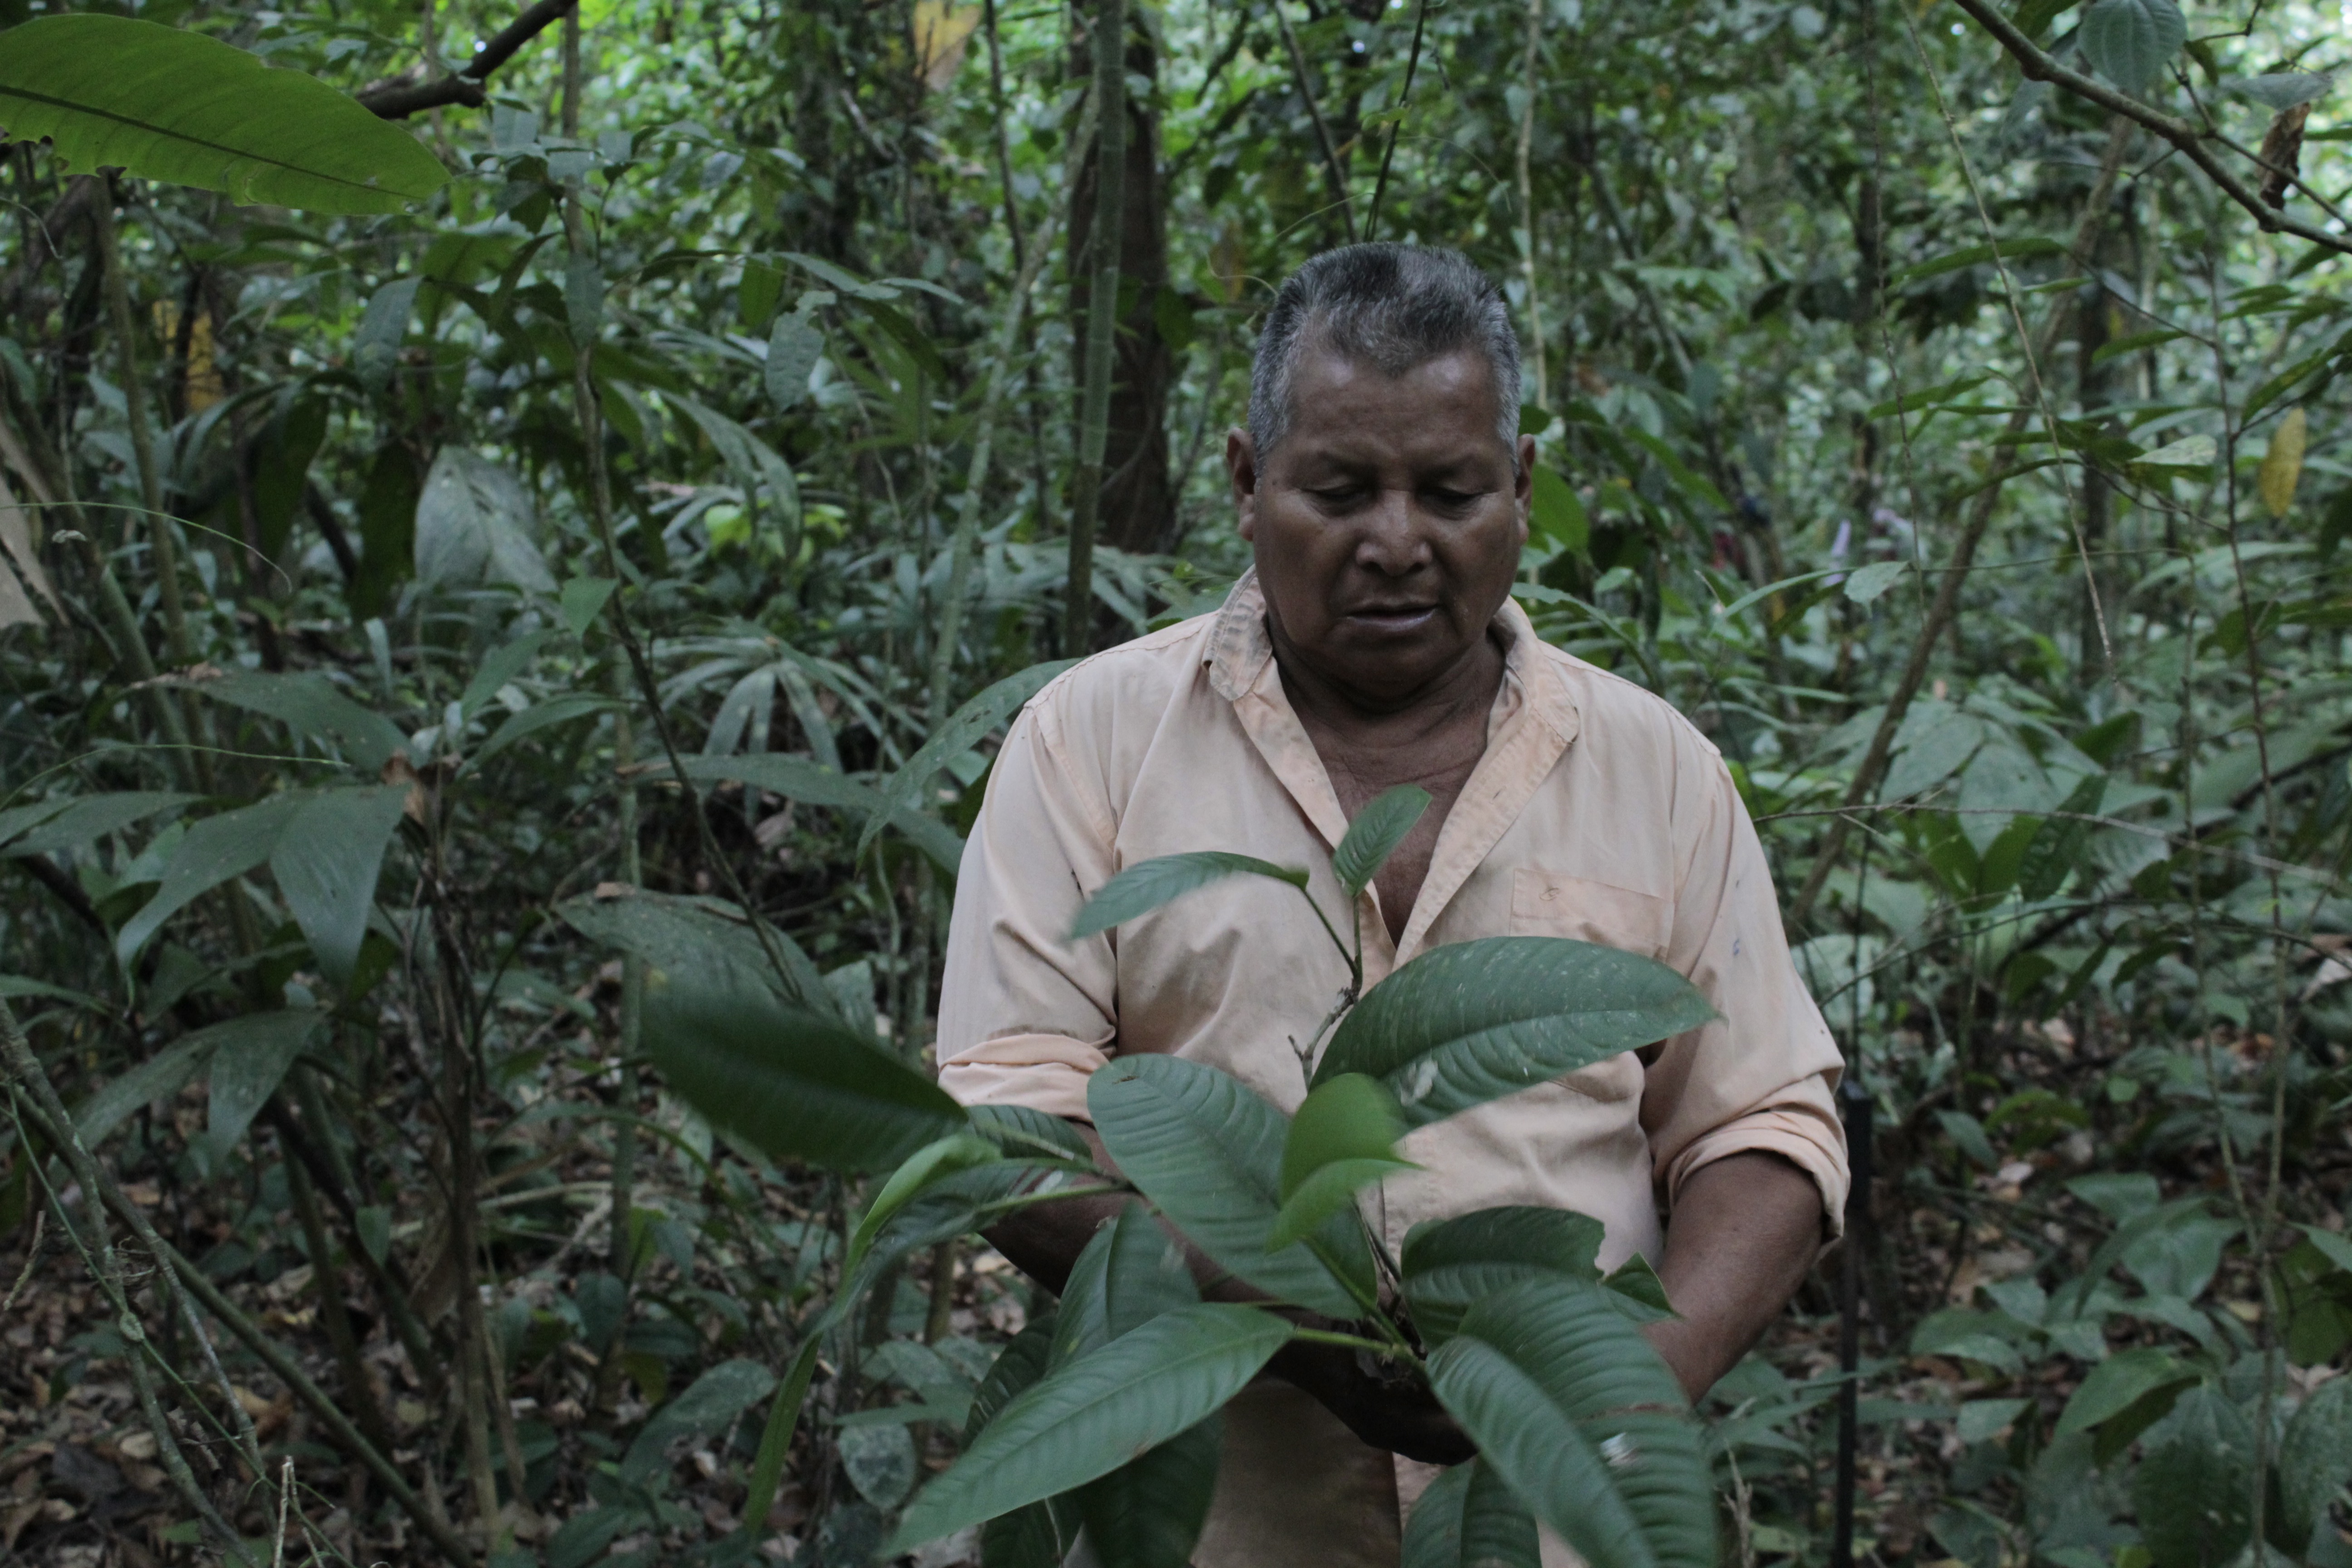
x: 1398, y: 306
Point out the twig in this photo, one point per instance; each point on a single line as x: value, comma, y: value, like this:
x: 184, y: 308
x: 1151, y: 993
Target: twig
x: 32, y: 1261
x: 398, y: 100
x: 1322, y: 129
x: 1403, y: 102
x: 2191, y: 142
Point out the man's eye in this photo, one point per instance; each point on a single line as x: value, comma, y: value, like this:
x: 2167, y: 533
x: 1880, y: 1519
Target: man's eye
x: 1337, y: 495
x: 1452, y: 500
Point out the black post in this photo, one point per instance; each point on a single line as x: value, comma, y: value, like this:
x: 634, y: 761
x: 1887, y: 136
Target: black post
x: 1854, y: 1106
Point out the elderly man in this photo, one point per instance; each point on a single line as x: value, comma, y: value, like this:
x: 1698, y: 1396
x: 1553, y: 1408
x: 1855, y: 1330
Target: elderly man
x: 1383, y: 485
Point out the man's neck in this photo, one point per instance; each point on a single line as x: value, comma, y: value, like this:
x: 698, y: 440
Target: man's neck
x: 1337, y: 708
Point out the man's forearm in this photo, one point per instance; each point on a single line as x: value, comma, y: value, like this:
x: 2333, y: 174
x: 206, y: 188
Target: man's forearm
x: 1745, y: 1231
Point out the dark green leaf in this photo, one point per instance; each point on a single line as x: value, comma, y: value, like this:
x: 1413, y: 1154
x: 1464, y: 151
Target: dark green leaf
x: 1556, y: 512
x: 695, y: 943
x: 2194, y: 1485
x: 52, y: 825
x: 795, y: 346
x: 310, y: 704
x: 326, y: 859
x: 932, y: 1162
x: 180, y: 107
x: 1019, y: 1129
x: 1209, y: 1153
x: 1147, y: 1513
x: 705, y: 1409
x: 474, y: 524
x: 1083, y: 1421
x: 1143, y: 888
x: 2128, y: 41
x: 2315, y: 1458
x: 1468, y: 1519
x: 1342, y: 1138
x: 962, y: 730
x: 214, y: 850
x: 796, y: 778
x: 1130, y: 1273
x: 1373, y: 836
x: 251, y: 1055
x: 1573, y: 1408
x: 1473, y: 1020
x: 791, y: 1084
x: 1450, y: 1263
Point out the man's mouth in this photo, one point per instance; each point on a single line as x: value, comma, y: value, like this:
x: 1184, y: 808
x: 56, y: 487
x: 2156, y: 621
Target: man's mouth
x: 1393, y: 618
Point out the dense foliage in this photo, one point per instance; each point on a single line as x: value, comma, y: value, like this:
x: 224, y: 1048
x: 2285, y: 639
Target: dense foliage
x: 581, y: 549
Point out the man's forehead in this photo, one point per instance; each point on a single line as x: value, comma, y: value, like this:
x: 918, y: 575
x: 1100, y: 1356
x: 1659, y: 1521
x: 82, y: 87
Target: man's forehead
x: 1350, y: 408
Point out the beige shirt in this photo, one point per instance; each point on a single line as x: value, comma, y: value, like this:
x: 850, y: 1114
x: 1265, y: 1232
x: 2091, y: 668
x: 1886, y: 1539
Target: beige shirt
x: 1596, y: 811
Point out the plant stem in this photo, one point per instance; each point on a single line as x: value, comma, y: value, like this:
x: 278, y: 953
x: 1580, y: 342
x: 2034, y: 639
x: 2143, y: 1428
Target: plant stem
x: 143, y: 440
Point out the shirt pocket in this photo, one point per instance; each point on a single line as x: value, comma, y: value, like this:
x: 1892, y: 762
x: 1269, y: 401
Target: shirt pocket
x: 1549, y: 903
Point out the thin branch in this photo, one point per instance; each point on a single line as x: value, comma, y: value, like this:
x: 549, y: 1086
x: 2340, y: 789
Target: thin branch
x: 399, y: 99
x: 1322, y: 129
x: 2191, y: 142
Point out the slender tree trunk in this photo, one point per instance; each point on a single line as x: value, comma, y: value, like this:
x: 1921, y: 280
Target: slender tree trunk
x: 1138, y: 510
x: 2098, y: 495
x: 1108, y: 33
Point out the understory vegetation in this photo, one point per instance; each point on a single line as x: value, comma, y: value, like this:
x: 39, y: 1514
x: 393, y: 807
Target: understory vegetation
x: 564, y: 523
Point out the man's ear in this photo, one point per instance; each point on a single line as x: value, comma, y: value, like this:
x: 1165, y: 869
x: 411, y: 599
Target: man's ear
x: 1241, y: 468
x: 1523, y: 485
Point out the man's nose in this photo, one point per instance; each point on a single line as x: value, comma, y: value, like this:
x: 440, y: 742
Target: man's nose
x: 1394, y: 542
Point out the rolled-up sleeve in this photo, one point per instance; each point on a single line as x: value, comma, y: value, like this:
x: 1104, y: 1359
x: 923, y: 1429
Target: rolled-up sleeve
x: 1762, y: 1076
x: 1026, y: 1015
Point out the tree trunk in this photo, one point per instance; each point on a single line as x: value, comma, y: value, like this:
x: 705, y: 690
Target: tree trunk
x: 1137, y: 509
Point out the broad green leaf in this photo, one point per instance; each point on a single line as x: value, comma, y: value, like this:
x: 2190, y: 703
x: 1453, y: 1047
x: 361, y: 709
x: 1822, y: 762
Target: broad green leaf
x: 1976, y: 256
x: 1208, y: 1151
x: 474, y: 524
x: 2315, y: 1458
x: 1468, y: 1519
x: 375, y: 347
x: 2192, y: 1490
x: 1144, y: 887
x: 51, y: 826
x: 2057, y: 845
x: 499, y: 665
x: 537, y: 717
x: 2281, y: 90
x: 1574, y: 1410
x: 1084, y: 1421
x: 956, y: 1152
x: 251, y: 1055
x: 2117, y: 1384
x: 160, y: 1077
x: 1040, y: 1534
x: 585, y: 1536
x: 963, y: 731
x: 1635, y: 1289
x: 2128, y: 41
x: 754, y: 463
x: 796, y: 778
x: 166, y: 104
x: 1343, y: 1138
x: 1130, y: 1272
x: 1020, y: 1129
x: 880, y: 1462
x: 1147, y: 1513
x: 1556, y: 512
x: 2282, y: 467
x: 583, y: 600
x: 216, y: 849
x: 794, y: 1085
x: 1866, y: 583
x: 1451, y: 1263
x: 1473, y: 1020
x: 707, y: 1407
x: 696, y: 943
x: 1373, y: 836
x: 794, y: 345
x: 326, y: 860
x: 309, y: 703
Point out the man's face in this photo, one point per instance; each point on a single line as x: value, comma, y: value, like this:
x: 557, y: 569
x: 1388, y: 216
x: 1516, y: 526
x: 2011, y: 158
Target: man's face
x: 1386, y: 522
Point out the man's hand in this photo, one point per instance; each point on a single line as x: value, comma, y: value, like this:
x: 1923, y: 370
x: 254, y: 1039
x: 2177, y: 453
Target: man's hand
x: 1385, y: 1403
x: 1745, y: 1231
